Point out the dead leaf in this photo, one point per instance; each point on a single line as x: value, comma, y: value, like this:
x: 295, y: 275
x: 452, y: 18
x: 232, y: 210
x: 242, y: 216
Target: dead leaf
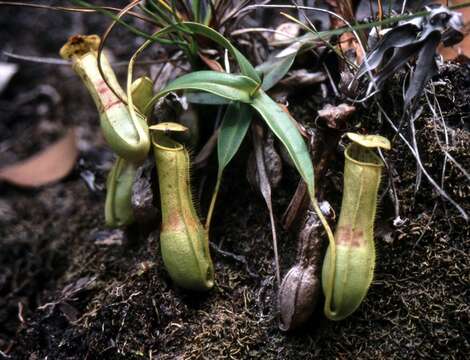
x: 286, y: 31
x: 297, y: 206
x: 265, y: 188
x: 142, y: 195
x: 272, y: 162
x: 47, y: 166
x: 462, y: 48
x: 202, y: 157
x: 303, y: 77
x: 342, y: 8
x: 347, y: 41
x: 336, y: 116
x: 211, y: 63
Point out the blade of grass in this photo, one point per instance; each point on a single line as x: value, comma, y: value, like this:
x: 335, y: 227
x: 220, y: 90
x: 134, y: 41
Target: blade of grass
x: 245, y: 66
x: 112, y: 16
x: 155, y: 11
x: 71, y: 9
x: 196, y: 9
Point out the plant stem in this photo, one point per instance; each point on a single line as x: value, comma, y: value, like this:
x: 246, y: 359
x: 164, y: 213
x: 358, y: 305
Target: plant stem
x: 213, y: 201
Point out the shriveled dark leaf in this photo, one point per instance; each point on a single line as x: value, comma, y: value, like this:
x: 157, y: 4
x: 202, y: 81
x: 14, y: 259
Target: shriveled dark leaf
x: 425, y: 67
x: 452, y: 37
x: 400, y: 57
x: 70, y: 312
x: 418, y: 37
x: 398, y: 37
x: 297, y: 206
x: 203, y: 156
x: 77, y: 286
x: 69, y: 292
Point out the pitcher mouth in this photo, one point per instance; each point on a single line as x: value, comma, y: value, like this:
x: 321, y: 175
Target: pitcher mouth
x: 80, y: 45
x: 160, y: 138
x: 362, y: 156
x: 163, y: 142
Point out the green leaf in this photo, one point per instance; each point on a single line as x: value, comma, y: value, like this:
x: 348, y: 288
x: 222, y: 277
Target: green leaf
x: 118, y: 207
x: 205, y: 98
x: 196, y: 8
x: 276, y: 70
x: 234, y: 126
x: 141, y: 93
x: 229, y: 86
x: 285, y: 130
x: 154, y: 10
x: 245, y: 66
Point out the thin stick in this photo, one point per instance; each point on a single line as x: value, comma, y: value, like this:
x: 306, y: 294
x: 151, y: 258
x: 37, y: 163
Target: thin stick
x: 71, y: 9
x: 58, y: 61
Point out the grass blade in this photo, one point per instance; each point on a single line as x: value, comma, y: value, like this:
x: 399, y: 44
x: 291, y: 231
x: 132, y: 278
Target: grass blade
x: 245, y: 66
x: 196, y: 8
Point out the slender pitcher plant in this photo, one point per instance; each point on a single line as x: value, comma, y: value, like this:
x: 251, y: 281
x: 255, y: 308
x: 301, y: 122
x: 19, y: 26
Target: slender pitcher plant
x: 184, y: 241
x: 125, y: 134
x: 348, y: 267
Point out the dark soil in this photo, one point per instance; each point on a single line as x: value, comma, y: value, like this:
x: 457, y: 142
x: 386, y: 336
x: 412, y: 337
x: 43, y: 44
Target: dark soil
x: 72, y: 289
